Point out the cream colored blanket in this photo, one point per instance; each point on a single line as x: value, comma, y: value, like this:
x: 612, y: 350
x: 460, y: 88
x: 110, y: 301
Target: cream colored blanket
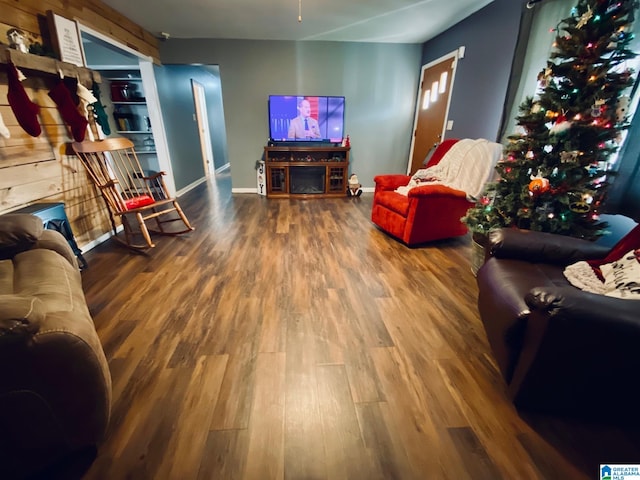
x: 467, y: 166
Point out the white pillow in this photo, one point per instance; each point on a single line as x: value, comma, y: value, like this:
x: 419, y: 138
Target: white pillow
x: 622, y: 277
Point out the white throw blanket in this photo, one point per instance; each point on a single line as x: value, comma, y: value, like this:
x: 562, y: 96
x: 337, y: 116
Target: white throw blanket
x: 467, y: 166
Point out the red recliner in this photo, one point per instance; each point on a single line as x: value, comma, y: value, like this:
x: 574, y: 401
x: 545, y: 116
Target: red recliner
x: 427, y: 213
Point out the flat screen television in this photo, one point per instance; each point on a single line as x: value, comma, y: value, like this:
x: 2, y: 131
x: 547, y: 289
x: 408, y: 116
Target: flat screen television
x: 306, y: 119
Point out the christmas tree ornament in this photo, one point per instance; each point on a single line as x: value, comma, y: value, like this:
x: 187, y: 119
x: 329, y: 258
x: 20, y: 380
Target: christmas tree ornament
x: 559, y: 128
x: 69, y: 111
x: 613, y: 6
x: 538, y: 185
x: 622, y: 108
x: 579, y: 207
x: 4, y: 131
x: 544, y: 78
x: 586, y: 16
x: 23, y: 108
x: 597, y: 107
x: 570, y: 122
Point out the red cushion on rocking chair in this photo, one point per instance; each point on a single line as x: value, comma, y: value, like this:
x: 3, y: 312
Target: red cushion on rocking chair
x: 139, y: 201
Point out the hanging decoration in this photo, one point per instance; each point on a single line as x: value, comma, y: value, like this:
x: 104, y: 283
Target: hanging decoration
x: 538, y: 185
x: 68, y: 110
x: 4, y: 131
x: 99, y: 112
x: 86, y: 98
x: 586, y: 16
x: 23, y: 108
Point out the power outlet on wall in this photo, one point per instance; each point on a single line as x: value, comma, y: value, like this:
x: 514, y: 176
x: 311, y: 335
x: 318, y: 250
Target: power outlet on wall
x: 450, y: 125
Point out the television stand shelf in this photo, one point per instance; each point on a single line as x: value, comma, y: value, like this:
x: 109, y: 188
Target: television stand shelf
x: 305, y: 172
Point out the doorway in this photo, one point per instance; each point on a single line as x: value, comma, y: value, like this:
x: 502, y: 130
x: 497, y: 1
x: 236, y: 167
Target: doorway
x: 200, y: 102
x: 432, y: 108
x: 103, y: 53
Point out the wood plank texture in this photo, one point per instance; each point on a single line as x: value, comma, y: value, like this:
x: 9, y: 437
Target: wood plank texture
x: 291, y: 339
x: 39, y: 169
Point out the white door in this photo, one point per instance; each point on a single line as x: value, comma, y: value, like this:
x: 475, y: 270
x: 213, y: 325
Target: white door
x: 200, y: 103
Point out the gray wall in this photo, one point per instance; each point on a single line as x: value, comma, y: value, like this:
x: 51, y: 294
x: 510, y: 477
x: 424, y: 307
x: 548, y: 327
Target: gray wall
x: 482, y: 76
x: 379, y: 82
x: 178, y: 110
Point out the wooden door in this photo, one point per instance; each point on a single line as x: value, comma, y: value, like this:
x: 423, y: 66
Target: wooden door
x: 431, y: 109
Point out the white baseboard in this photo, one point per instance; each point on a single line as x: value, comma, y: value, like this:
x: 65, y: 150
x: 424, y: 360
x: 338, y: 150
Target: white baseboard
x: 245, y: 190
x: 226, y: 166
x: 102, y: 238
x: 191, y: 186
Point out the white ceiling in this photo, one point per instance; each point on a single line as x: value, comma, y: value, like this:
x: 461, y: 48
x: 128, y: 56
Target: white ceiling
x: 388, y: 21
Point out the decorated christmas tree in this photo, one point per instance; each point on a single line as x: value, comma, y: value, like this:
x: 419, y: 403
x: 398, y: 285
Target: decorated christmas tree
x: 554, y: 171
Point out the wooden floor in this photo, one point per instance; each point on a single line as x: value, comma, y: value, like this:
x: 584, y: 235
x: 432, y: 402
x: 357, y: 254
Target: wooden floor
x: 292, y: 339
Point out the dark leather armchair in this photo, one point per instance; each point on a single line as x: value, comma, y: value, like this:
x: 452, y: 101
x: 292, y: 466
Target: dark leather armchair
x: 559, y: 349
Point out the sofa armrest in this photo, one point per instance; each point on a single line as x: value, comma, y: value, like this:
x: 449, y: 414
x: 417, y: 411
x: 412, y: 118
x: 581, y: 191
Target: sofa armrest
x: 585, y: 307
x: 430, y: 189
x: 390, y: 182
x: 542, y: 247
x: 576, y: 344
x: 53, y: 240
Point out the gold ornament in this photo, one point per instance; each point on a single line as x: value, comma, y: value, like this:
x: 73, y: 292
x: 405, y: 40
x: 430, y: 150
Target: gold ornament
x: 580, y: 207
x: 586, y: 16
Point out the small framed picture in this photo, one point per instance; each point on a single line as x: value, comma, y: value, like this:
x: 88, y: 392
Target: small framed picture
x: 65, y: 39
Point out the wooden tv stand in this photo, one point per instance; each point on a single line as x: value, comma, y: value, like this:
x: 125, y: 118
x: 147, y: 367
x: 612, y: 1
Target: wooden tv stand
x: 305, y: 172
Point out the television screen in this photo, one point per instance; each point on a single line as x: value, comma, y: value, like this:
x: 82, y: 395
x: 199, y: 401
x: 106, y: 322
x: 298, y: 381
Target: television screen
x: 300, y: 118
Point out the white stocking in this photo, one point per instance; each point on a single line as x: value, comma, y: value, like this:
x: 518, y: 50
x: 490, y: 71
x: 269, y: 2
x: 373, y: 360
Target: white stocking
x: 4, y: 131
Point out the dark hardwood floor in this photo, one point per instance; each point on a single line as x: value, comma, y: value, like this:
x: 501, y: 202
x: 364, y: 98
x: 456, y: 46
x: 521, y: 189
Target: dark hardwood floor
x: 292, y: 339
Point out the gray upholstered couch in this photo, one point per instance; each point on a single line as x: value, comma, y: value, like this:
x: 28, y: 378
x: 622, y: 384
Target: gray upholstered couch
x: 55, y: 387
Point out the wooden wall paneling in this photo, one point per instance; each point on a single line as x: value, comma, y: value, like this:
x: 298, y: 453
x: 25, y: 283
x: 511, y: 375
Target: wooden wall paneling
x: 93, y: 14
x: 11, y: 156
x: 41, y: 169
x: 34, y: 172
x: 18, y: 17
x: 27, y: 193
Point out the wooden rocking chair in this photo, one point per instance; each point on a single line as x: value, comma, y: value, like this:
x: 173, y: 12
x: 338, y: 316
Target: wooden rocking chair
x: 130, y: 192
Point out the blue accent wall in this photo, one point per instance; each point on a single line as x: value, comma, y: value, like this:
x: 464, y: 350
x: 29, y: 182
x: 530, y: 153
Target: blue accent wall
x: 482, y: 76
x: 178, y: 111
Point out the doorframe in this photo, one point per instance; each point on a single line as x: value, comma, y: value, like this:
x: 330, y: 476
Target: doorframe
x: 150, y: 87
x: 455, y: 55
x: 202, y: 120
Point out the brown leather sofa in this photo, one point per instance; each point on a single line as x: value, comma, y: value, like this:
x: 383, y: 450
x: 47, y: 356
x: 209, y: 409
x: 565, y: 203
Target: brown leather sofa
x: 55, y: 387
x: 559, y: 349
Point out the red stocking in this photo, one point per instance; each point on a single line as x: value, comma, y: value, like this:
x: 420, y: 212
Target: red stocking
x: 23, y: 108
x: 69, y: 112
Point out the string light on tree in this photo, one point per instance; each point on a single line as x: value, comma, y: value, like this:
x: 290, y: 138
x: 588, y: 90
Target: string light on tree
x: 553, y: 175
